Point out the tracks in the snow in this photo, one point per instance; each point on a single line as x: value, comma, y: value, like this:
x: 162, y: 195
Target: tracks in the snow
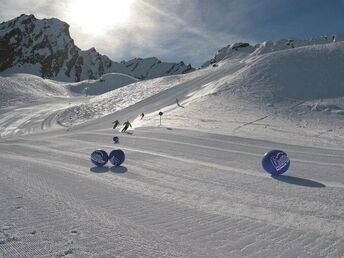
x: 183, y: 194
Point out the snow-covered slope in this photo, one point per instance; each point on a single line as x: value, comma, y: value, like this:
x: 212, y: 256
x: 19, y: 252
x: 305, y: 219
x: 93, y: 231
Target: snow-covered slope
x: 290, y: 91
x: 194, y: 186
x: 107, y: 82
x: 241, y: 50
x: 25, y: 89
x: 233, y: 51
x: 279, y: 95
x: 45, y: 48
x: 303, y: 73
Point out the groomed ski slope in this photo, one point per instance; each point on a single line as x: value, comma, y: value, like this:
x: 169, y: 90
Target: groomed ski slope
x: 193, y: 187
x: 179, y: 194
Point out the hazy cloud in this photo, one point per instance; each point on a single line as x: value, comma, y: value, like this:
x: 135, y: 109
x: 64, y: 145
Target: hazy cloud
x: 193, y: 30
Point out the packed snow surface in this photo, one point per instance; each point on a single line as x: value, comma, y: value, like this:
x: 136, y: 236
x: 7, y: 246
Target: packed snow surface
x: 190, y: 187
x: 107, y: 82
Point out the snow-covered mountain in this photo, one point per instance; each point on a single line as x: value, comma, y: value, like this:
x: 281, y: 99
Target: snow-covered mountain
x: 45, y: 48
x: 302, y: 85
x: 240, y: 49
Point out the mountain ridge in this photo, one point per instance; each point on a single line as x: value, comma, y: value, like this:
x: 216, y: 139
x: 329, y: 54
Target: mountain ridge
x: 45, y: 48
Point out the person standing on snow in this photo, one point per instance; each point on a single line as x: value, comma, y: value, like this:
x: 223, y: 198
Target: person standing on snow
x: 115, y: 124
x: 142, y: 115
x: 126, y: 126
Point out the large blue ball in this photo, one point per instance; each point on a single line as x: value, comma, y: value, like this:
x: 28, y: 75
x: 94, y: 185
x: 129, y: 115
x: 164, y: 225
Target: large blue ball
x: 275, y: 162
x: 117, y: 157
x: 99, y: 158
x: 115, y: 139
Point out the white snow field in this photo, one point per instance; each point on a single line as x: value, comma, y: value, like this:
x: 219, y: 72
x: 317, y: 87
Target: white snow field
x: 192, y: 187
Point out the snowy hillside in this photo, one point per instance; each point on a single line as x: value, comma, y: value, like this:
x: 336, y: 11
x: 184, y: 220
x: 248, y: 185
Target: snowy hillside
x: 107, y: 82
x: 240, y: 49
x: 290, y: 91
x: 192, y: 186
x: 25, y: 89
x: 45, y: 48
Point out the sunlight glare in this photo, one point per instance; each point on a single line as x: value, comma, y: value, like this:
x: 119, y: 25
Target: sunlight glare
x: 98, y: 17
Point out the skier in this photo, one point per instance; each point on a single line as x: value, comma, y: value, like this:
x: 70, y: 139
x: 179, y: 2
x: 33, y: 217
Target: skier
x: 115, y: 124
x: 179, y: 104
x: 142, y: 115
x: 333, y: 38
x: 126, y: 125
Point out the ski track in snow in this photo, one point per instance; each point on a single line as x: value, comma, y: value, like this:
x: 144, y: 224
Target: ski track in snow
x: 171, y: 198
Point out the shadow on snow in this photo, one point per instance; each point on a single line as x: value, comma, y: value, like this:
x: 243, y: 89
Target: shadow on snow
x: 119, y: 169
x: 298, y: 181
x: 114, y: 169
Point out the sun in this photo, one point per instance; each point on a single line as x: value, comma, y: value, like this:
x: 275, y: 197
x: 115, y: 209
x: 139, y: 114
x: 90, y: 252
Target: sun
x: 96, y: 17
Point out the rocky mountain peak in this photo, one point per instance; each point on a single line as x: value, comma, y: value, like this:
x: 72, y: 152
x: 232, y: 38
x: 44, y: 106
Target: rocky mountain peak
x: 44, y: 47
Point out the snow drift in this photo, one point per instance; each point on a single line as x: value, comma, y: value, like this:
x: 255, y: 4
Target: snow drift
x: 24, y: 88
x: 107, y: 82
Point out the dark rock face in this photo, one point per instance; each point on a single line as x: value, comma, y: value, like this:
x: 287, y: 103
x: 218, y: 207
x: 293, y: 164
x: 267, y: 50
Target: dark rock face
x: 240, y: 45
x: 45, y: 48
x: 230, y: 51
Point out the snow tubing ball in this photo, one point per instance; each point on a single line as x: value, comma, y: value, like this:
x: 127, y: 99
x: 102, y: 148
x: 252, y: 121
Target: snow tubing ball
x: 275, y: 162
x: 99, y: 158
x: 115, y: 139
x: 117, y: 157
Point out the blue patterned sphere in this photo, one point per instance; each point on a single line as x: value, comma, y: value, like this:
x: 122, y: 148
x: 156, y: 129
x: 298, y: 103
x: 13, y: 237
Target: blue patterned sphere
x: 276, y: 162
x: 115, y: 139
x: 99, y: 158
x: 117, y: 157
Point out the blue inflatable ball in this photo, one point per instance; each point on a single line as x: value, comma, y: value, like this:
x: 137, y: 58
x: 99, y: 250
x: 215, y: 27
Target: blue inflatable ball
x: 99, y: 158
x: 115, y: 139
x: 275, y: 162
x: 117, y: 157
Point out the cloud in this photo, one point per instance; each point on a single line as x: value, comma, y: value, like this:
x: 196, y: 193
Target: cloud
x: 169, y: 30
x: 193, y: 30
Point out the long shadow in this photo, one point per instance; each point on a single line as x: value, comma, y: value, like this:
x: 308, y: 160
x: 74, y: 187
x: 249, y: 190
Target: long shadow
x: 298, y: 181
x: 119, y: 169
x: 99, y: 169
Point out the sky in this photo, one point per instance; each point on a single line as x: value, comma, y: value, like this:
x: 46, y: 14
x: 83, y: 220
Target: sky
x: 182, y: 30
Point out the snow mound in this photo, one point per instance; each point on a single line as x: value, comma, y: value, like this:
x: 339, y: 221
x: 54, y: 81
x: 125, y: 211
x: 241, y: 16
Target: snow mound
x: 304, y: 73
x: 107, y: 82
x: 242, y: 50
x: 26, y: 88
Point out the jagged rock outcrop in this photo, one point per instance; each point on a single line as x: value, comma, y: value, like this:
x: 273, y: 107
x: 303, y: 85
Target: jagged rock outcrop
x: 45, y: 48
x: 230, y: 51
